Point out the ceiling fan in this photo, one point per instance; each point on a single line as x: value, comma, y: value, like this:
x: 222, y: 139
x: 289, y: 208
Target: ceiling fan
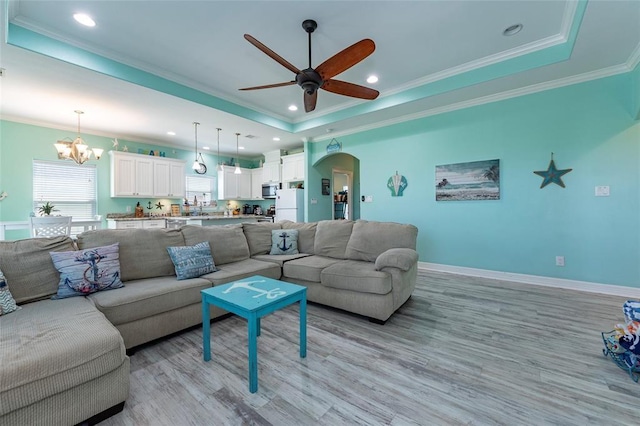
x: 321, y: 77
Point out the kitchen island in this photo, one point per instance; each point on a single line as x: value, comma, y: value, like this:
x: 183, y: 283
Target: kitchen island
x: 177, y: 221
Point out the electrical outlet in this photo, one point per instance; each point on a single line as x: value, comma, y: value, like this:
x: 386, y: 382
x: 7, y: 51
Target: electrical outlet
x: 559, y: 260
x: 602, y: 191
x: 128, y: 209
x: 368, y: 198
x: 314, y: 201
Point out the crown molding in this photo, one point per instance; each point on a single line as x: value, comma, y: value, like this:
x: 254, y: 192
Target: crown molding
x: 527, y: 90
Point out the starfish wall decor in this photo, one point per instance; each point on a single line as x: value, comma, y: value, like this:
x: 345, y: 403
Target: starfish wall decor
x: 552, y: 175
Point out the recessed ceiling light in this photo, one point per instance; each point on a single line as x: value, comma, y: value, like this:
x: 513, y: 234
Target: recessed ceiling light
x: 293, y: 108
x: 276, y: 139
x: 241, y: 147
x: 512, y: 30
x: 372, y: 79
x: 171, y: 133
x: 206, y: 147
x: 84, y: 19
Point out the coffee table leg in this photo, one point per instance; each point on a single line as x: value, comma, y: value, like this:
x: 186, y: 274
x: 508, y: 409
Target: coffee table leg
x: 253, y: 353
x: 303, y: 326
x: 206, y: 331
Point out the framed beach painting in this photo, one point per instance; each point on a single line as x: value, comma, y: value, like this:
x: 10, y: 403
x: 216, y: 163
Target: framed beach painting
x: 476, y: 180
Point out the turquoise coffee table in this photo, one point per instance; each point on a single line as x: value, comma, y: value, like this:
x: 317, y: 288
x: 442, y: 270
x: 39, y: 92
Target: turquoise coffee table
x: 252, y: 298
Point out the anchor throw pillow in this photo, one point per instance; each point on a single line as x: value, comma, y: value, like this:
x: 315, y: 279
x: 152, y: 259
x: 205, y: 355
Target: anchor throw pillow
x: 192, y: 261
x: 284, y: 241
x: 7, y: 303
x: 87, y: 271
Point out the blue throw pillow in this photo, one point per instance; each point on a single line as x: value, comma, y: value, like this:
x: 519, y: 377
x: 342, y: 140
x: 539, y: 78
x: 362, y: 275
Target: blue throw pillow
x: 192, y: 261
x: 7, y: 303
x: 284, y: 241
x: 87, y: 271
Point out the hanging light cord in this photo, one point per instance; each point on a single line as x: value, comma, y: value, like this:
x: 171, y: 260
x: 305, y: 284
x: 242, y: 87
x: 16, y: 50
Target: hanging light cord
x: 195, y: 125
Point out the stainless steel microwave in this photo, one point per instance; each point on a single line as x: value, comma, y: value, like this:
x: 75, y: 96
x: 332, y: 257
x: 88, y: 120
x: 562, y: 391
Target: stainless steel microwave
x: 269, y: 190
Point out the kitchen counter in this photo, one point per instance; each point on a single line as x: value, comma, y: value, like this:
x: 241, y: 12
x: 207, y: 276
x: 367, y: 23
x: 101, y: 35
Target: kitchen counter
x: 130, y: 222
x: 206, y: 217
x: 217, y: 217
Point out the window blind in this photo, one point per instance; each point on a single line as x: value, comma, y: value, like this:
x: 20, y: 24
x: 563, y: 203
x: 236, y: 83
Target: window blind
x: 201, y: 187
x: 70, y: 187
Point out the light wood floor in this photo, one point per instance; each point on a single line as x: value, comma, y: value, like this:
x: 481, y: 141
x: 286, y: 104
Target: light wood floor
x: 461, y: 351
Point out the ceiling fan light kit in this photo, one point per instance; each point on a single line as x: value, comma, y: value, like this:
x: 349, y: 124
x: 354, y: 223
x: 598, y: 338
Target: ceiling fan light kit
x: 312, y: 79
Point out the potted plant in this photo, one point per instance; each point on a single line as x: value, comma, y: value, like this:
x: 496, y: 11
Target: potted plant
x: 46, y: 209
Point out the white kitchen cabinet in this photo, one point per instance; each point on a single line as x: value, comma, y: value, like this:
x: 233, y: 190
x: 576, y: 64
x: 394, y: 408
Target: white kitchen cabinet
x: 232, y: 186
x: 244, y: 184
x: 124, y: 224
x: 136, y: 224
x: 131, y: 175
x: 271, y: 172
x: 153, y: 223
x: 293, y: 168
x: 256, y: 184
x: 135, y: 175
x: 168, y: 178
x: 227, y: 184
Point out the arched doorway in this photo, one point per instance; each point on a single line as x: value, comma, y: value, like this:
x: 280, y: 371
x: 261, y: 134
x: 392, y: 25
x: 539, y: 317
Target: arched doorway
x: 321, y: 199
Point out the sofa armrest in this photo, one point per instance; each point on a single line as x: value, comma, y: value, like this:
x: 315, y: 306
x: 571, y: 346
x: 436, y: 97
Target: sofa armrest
x: 401, y: 258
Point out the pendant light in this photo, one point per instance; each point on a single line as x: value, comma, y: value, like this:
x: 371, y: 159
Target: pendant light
x: 219, y: 162
x: 237, y: 170
x: 196, y: 163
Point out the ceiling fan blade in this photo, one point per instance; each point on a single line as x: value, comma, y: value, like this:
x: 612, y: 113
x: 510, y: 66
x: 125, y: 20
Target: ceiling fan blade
x: 273, y: 55
x: 350, y: 89
x: 345, y: 59
x: 310, y: 101
x: 269, y: 86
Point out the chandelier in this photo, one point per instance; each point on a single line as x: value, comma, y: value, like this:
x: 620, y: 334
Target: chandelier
x: 76, y: 150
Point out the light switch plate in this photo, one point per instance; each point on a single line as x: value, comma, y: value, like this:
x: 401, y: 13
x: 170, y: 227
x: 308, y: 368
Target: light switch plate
x: 602, y: 191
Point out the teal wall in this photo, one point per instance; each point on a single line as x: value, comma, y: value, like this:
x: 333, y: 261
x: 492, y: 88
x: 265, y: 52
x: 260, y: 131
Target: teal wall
x: 590, y: 127
x: 21, y: 143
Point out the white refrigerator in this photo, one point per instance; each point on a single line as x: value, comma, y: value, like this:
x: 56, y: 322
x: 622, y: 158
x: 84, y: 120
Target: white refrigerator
x: 290, y: 205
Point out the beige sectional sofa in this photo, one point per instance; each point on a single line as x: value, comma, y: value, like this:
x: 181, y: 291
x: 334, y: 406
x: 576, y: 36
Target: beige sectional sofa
x: 64, y: 361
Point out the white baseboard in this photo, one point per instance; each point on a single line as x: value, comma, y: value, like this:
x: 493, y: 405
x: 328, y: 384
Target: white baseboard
x: 615, y: 290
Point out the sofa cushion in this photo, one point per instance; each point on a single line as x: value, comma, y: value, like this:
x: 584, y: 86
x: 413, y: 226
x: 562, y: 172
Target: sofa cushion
x: 242, y: 269
x: 284, y: 241
x: 228, y: 243
x: 7, y: 302
x: 87, y: 271
x: 369, y: 239
x: 307, y: 268
x: 280, y: 259
x: 306, y: 234
x: 148, y: 297
x: 332, y: 237
x: 356, y: 275
x: 192, y: 261
x: 143, y: 252
x: 50, y: 346
x: 258, y: 236
x: 28, y: 268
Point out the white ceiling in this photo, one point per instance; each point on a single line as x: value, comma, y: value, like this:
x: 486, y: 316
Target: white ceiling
x: 200, y: 44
